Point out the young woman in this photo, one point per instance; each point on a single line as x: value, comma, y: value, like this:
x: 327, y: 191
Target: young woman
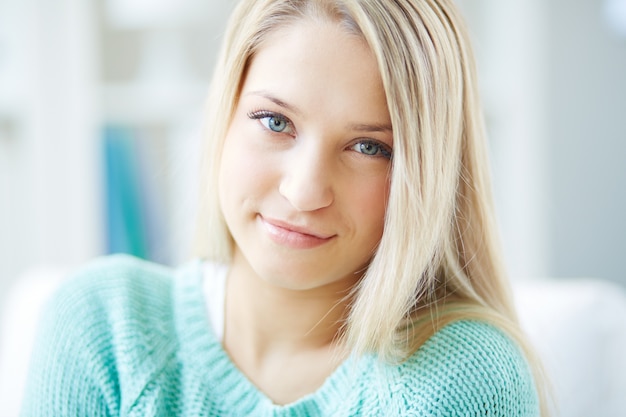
x: 349, y: 261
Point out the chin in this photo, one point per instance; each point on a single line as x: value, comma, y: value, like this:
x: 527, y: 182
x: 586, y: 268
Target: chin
x: 306, y: 277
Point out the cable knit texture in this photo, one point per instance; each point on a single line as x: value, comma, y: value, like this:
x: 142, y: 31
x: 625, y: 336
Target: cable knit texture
x: 130, y: 338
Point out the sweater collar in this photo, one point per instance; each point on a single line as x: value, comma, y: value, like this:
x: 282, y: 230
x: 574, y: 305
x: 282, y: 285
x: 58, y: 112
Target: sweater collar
x: 202, y: 354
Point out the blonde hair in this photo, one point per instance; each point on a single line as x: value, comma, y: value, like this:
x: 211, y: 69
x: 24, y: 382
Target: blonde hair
x: 439, y: 257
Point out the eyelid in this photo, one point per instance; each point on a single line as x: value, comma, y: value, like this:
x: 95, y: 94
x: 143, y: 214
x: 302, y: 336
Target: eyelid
x: 385, y: 151
x: 262, y: 114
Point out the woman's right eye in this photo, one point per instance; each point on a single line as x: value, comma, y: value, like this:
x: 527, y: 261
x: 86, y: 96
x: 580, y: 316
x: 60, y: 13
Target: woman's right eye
x: 275, y: 122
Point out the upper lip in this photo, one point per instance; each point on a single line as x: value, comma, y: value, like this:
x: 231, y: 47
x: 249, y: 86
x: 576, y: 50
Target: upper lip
x: 303, y: 229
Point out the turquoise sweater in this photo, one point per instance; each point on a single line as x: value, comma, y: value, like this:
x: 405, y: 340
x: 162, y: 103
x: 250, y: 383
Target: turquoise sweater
x: 130, y: 338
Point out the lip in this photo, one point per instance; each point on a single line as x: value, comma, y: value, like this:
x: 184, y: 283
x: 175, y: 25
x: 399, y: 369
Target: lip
x: 294, y: 236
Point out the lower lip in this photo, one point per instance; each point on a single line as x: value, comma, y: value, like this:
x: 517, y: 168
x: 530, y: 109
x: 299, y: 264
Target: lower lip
x: 292, y: 239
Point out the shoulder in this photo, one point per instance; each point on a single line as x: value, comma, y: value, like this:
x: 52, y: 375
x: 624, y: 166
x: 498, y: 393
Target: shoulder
x: 115, y: 314
x: 113, y: 290
x: 115, y: 298
x: 107, y: 330
x: 469, y: 368
x: 115, y: 275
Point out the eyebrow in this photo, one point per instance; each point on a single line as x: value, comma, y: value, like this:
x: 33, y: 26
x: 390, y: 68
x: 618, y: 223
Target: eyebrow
x: 359, y: 127
x: 275, y: 100
x: 362, y: 127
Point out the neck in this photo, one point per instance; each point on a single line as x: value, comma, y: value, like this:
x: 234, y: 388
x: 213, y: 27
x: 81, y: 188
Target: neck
x: 269, y: 319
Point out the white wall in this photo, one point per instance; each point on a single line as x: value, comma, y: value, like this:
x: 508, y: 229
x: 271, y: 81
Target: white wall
x: 553, y: 75
x: 66, y: 71
x: 587, y: 131
x: 511, y: 58
x: 49, y: 184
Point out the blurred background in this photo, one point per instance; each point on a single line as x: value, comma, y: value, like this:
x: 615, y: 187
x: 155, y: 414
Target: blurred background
x: 101, y: 106
x: 101, y: 114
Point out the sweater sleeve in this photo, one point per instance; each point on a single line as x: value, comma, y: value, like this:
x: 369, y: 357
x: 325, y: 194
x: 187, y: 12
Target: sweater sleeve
x: 469, y: 369
x: 102, y: 339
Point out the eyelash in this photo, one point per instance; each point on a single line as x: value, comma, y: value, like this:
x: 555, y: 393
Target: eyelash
x: 384, y: 150
x: 264, y: 114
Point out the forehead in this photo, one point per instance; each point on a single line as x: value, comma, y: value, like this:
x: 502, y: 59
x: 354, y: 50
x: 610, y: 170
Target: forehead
x: 318, y: 63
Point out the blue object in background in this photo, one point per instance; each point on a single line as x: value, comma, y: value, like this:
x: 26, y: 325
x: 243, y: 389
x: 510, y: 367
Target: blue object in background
x: 126, y: 230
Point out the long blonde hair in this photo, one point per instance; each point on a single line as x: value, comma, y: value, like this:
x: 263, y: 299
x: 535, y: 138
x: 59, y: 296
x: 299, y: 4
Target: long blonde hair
x: 439, y: 257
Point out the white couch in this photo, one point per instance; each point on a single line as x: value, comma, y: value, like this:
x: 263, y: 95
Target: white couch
x: 18, y: 326
x: 578, y: 327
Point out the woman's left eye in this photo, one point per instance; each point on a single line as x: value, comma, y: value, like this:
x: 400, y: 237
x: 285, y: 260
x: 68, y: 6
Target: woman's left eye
x: 372, y: 148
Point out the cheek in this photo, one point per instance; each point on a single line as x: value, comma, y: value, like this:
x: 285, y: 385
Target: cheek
x: 370, y: 204
x: 232, y: 173
x: 244, y: 173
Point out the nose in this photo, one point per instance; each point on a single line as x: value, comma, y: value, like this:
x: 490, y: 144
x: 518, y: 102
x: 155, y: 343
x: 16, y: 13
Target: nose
x: 307, y: 180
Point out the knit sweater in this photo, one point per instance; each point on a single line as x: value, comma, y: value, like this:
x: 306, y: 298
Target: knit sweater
x: 131, y: 338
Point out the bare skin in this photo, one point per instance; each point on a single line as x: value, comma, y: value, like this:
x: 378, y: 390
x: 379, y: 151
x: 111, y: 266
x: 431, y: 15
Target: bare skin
x: 303, y: 185
x: 284, y: 340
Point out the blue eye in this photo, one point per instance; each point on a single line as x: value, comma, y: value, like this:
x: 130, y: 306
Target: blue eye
x: 272, y: 121
x: 372, y: 148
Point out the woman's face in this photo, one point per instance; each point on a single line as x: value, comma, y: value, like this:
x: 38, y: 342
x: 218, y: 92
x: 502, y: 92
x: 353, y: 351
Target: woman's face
x: 305, y: 168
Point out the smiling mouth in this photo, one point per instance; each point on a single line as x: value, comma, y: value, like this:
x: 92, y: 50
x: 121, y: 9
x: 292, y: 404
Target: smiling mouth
x: 293, y: 236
